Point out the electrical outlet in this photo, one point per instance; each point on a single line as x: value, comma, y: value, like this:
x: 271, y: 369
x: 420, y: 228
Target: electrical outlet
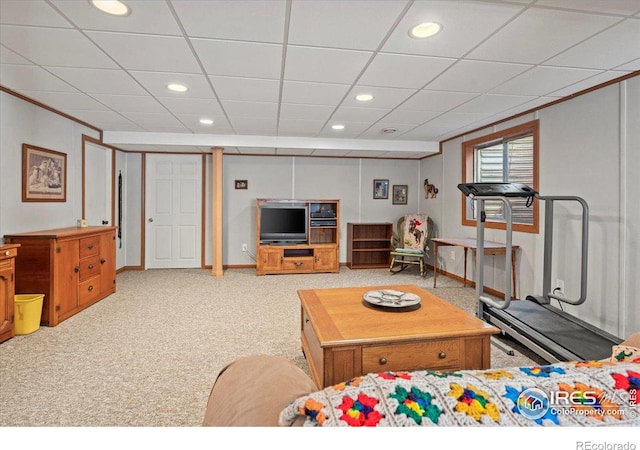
x: 559, y: 286
x: 453, y: 255
x: 244, y: 247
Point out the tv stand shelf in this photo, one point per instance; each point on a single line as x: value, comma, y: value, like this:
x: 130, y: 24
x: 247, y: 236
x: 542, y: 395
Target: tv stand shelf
x: 319, y: 250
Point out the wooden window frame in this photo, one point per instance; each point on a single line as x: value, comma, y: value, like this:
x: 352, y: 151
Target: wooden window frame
x: 468, y: 153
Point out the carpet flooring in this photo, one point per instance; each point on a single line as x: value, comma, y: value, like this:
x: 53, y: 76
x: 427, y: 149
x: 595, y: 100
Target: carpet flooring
x: 147, y: 356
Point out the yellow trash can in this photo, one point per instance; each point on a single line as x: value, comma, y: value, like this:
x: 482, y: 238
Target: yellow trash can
x: 27, y: 311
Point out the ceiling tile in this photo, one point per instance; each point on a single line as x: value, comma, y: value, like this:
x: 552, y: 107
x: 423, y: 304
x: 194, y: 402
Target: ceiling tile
x: 250, y: 109
x: 179, y: 106
x: 543, y: 80
x: 220, y: 123
x: 248, y: 89
x: 350, y: 114
x: 383, y: 97
x: 476, y: 76
x: 130, y: 103
x: 492, y: 104
x: 529, y: 105
x: 306, y: 112
x: 9, y: 57
x: 300, y: 127
x: 156, y: 83
x: 589, y: 82
x: 31, y: 78
x: 254, y: 125
x: 54, y: 47
x: 256, y: 20
x: 625, y: 7
x: 521, y: 41
x: 146, y: 17
x: 408, y: 117
x: 239, y: 59
x: 461, y: 29
x: 153, y: 120
x: 632, y: 66
x: 99, y: 81
x: 376, y: 130
x: 147, y: 52
x: 37, y: 14
x: 342, y: 23
x: 403, y: 71
x: 351, y: 129
x: 313, y: 93
x: 597, y: 52
x: 66, y: 100
x: 105, y: 120
x: 324, y: 65
x: 426, y: 100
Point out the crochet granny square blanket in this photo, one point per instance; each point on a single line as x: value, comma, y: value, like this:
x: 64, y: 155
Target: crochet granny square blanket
x: 579, y: 393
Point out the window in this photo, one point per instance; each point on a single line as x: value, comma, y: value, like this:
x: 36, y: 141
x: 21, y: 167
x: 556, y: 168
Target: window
x: 508, y: 156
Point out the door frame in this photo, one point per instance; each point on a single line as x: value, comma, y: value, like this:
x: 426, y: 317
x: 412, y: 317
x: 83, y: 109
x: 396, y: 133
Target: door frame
x: 99, y: 143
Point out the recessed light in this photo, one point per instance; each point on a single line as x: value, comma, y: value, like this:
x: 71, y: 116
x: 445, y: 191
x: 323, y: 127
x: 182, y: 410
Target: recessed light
x: 364, y: 97
x: 337, y: 127
x: 425, y: 30
x: 175, y: 87
x: 389, y: 130
x: 113, y: 7
x: 206, y: 121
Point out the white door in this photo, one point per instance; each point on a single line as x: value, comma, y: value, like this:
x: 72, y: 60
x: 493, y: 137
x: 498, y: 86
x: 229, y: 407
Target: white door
x: 173, y: 211
x: 97, y: 188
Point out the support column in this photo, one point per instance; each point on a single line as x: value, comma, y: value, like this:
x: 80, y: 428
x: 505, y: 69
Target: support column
x: 216, y: 210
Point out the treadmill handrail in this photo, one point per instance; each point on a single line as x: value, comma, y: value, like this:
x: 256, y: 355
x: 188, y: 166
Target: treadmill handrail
x: 548, y: 235
x: 504, y: 304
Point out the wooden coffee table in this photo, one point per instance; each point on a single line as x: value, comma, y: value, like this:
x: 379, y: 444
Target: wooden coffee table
x: 343, y: 338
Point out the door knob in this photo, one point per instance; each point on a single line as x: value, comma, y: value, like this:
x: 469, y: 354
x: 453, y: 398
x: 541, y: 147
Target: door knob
x: 150, y: 219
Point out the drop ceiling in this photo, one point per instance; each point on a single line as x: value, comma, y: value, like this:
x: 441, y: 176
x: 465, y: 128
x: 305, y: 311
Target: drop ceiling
x: 275, y: 75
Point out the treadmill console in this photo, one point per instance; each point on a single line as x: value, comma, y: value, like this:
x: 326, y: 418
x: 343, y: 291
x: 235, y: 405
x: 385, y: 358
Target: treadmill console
x: 497, y: 190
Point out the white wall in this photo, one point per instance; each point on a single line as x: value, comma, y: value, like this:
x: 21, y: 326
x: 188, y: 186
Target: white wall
x: 589, y: 147
x: 22, y: 122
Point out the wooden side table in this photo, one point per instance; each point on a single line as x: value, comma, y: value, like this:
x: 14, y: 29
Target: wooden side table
x: 490, y: 248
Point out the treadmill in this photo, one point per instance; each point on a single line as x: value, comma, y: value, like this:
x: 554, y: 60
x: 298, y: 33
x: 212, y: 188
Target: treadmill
x: 551, y: 333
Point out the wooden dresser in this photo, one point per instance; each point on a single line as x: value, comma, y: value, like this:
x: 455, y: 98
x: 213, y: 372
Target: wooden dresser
x: 73, y: 267
x: 7, y: 291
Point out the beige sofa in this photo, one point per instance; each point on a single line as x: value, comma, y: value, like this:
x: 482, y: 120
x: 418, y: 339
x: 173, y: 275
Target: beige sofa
x: 254, y: 390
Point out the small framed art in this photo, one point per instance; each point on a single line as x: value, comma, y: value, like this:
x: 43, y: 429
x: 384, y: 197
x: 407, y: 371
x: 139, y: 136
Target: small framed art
x: 44, y: 175
x: 380, y: 189
x: 241, y: 184
x: 400, y: 194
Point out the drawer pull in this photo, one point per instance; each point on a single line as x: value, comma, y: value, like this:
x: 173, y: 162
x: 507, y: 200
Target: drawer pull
x: 90, y: 288
x: 102, y: 261
x: 76, y: 269
x: 90, y: 246
x: 383, y: 361
x: 90, y: 266
x: 7, y: 253
x: 442, y: 355
x: 306, y: 320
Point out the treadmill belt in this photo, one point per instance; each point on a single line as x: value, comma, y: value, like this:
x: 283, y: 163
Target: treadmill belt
x: 579, y: 340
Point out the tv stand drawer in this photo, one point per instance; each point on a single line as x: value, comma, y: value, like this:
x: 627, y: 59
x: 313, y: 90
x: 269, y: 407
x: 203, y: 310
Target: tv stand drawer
x: 297, y: 263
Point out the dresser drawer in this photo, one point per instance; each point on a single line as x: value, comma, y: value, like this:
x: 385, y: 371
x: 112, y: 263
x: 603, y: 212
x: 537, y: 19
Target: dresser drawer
x: 297, y: 264
x: 444, y: 354
x: 89, y: 246
x: 89, y: 290
x: 89, y: 267
x: 7, y: 254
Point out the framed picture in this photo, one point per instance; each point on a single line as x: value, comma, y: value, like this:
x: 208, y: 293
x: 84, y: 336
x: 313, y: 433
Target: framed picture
x: 400, y: 194
x: 241, y: 184
x: 44, y: 175
x: 380, y: 189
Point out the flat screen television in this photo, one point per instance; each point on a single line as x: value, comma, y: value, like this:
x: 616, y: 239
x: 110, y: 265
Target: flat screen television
x: 283, y: 223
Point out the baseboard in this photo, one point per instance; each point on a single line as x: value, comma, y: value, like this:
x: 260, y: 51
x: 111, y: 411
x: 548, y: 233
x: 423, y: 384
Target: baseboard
x: 123, y: 268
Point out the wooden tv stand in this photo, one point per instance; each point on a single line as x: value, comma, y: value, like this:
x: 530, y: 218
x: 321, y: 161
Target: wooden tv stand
x: 320, y: 251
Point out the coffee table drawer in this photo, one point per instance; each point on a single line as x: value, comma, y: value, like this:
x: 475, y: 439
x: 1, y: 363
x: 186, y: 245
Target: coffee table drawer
x: 444, y: 354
